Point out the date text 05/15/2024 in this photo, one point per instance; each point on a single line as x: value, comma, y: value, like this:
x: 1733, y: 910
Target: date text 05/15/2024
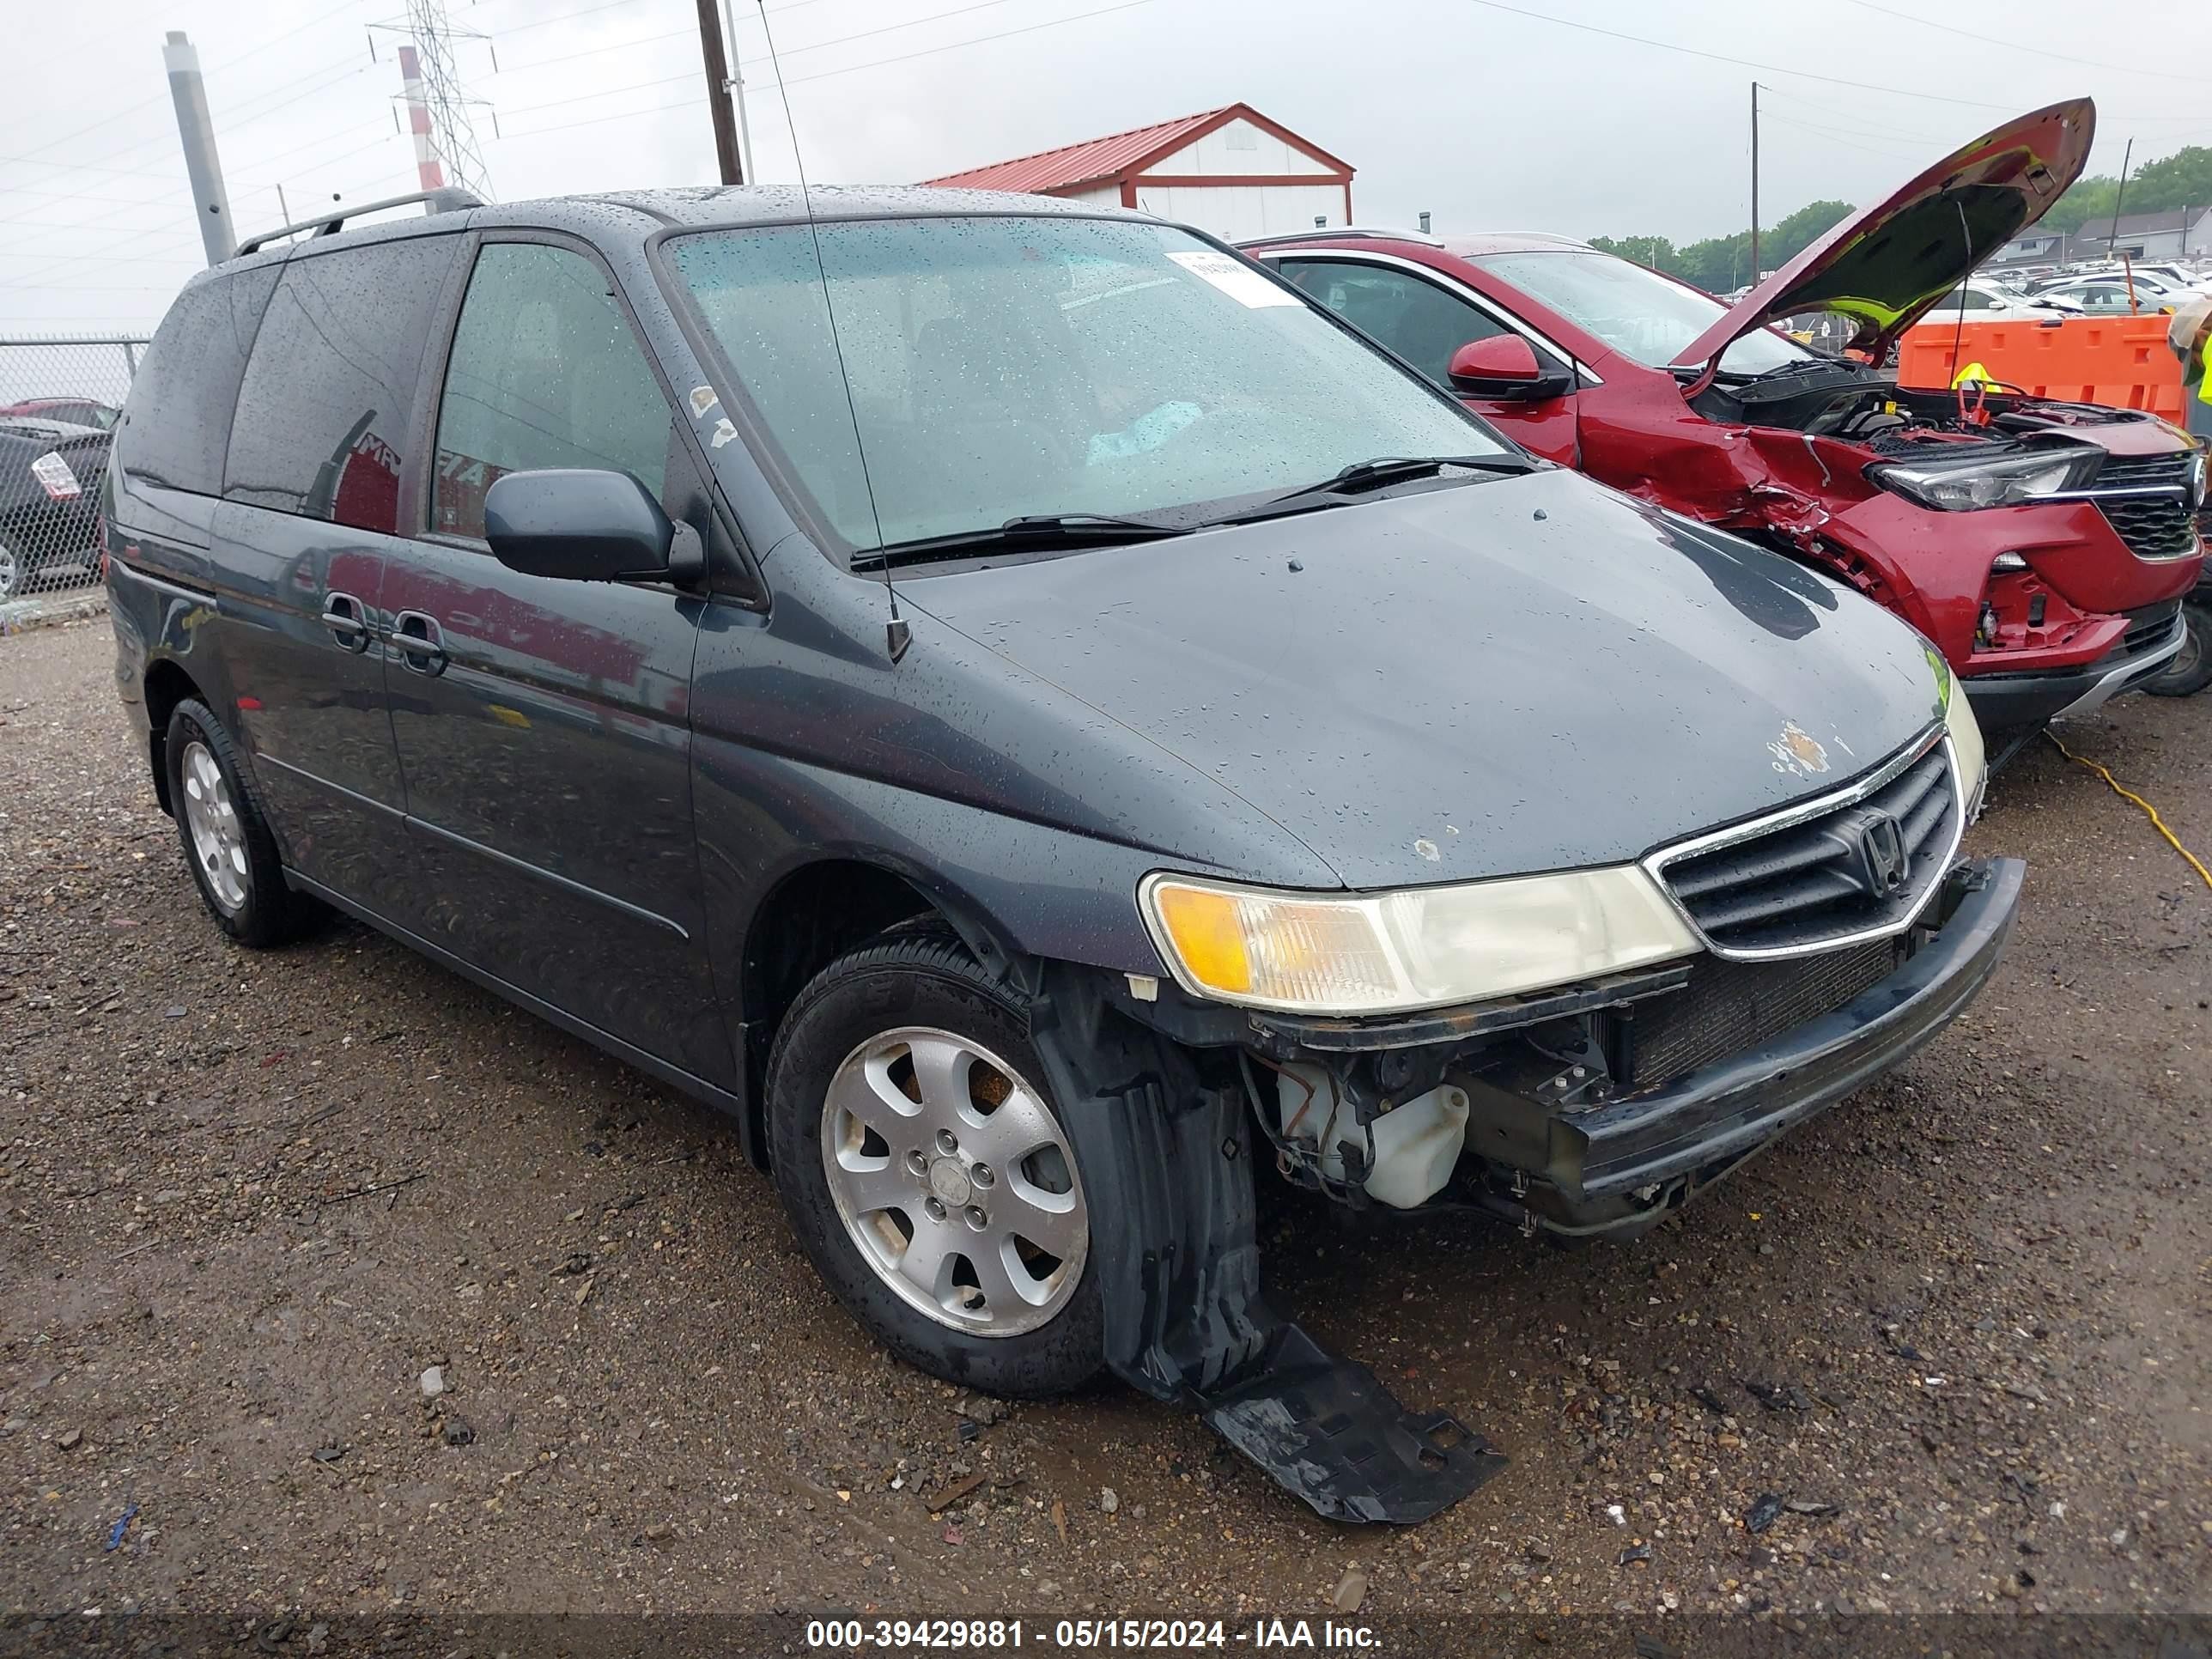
x: 1006, y: 1635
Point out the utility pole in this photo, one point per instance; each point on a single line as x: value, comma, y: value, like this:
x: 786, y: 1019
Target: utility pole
x: 196, y: 131
x: 2119, y: 201
x: 737, y: 84
x: 718, y: 95
x: 1754, y: 183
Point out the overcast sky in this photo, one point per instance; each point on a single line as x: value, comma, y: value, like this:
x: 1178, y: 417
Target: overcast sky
x: 1490, y: 115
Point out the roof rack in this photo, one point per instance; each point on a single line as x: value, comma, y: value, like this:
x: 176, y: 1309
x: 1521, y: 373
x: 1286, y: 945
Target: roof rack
x: 448, y: 200
x: 1332, y: 233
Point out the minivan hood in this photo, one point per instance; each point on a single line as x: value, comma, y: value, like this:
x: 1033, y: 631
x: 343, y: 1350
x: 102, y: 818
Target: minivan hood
x: 1890, y: 264
x: 1533, y: 673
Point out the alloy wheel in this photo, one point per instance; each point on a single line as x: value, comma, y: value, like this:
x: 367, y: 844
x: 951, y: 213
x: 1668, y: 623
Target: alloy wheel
x: 218, y: 835
x: 956, y: 1180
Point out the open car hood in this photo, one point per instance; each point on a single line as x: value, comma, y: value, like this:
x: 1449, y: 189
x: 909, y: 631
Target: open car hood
x: 1891, y: 264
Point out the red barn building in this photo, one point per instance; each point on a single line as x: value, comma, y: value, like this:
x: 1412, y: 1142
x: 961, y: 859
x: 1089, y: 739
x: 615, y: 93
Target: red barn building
x: 1230, y: 171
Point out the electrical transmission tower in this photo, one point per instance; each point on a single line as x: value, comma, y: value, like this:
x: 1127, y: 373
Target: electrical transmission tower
x: 437, y: 103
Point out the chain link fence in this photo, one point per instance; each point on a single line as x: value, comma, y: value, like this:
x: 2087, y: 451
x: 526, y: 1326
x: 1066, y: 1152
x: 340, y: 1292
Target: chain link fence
x: 59, y: 399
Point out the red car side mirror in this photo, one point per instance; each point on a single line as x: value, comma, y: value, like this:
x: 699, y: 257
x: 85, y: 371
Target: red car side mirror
x: 1503, y: 367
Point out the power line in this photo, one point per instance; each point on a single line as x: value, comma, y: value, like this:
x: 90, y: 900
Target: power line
x: 132, y: 237
x: 94, y: 165
x: 1993, y: 38
x: 278, y: 40
x: 604, y: 92
x: 691, y: 33
x: 322, y: 86
x: 162, y: 97
x: 312, y: 90
x: 138, y: 242
x: 1770, y: 68
x: 291, y: 165
x: 87, y: 166
x: 294, y: 174
x: 955, y: 45
x: 78, y: 196
x: 610, y: 5
x: 798, y: 80
x: 892, y: 28
x: 563, y: 16
x: 819, y: 46
x: 685, y: 102
x: 1862, y: 121
x: 1830, y: 135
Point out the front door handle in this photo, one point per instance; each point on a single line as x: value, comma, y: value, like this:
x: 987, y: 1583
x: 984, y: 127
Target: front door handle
x: 344, y: 614
x: 422, y: 645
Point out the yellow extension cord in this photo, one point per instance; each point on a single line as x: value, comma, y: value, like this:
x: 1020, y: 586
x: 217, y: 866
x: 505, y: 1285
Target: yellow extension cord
x: 2149, y: 812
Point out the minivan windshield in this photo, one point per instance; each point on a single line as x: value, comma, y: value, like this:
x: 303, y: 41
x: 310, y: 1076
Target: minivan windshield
x: 1637, y: 312
x: 989, y: 368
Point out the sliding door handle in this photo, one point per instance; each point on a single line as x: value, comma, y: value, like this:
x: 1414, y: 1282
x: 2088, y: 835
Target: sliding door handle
x: 347, y: 620
x: 421, y: 643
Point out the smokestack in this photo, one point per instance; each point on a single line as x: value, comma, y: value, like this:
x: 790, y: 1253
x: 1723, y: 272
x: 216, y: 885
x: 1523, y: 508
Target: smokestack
x: 427, y: 168
x: 196, y: 131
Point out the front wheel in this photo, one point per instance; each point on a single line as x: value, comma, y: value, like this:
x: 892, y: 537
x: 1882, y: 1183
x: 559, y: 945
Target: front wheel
x: 15, y: 568
x: 927, y: 1173
x: 2191, y: 671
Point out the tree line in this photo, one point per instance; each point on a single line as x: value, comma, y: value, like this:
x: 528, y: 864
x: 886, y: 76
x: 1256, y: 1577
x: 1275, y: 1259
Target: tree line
x: 1720, y: 263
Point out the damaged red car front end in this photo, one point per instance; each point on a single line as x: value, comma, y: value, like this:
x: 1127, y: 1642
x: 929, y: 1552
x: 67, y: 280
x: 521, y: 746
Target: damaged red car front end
x: 2043, y: 546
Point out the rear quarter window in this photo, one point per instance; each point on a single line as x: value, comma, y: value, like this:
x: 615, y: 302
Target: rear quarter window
x: 323, y: 411
x: 176, y: 419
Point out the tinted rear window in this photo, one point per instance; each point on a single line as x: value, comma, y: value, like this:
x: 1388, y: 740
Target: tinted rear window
x: 176, y: 419
x: 323, y: 412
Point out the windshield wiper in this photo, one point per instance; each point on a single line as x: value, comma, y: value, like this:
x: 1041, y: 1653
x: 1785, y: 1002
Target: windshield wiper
x: 1025, y: 531
x: 1363, y: 476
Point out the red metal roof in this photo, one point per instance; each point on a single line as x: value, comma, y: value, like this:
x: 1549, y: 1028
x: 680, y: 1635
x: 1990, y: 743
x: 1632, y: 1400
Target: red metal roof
x: 1095, y: 161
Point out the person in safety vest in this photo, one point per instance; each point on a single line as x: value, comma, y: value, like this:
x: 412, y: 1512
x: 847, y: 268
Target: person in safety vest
x: 2191, y: 336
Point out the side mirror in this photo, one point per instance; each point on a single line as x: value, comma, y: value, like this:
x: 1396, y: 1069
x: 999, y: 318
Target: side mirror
x: 578, y: 525
x: 1503, y: 367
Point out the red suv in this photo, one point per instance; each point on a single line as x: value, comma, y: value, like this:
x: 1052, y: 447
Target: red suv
x: 2043, y: 546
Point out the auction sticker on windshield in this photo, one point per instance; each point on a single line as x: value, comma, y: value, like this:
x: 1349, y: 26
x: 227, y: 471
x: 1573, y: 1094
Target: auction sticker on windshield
x: 1239, y: 282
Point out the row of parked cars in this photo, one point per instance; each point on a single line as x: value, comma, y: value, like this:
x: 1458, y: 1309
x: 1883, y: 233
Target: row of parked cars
x: 1049, y: 720
x: 1996, y: 297
x: 52, y: 452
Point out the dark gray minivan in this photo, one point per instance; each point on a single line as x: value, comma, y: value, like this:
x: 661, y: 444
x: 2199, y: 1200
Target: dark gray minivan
x: 1040, y: 723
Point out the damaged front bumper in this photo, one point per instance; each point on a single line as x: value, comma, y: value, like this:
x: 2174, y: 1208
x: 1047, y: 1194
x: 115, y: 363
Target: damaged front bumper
x: 2026, y: 702
x: 1621, y: 1165
x: 1168, y: 1120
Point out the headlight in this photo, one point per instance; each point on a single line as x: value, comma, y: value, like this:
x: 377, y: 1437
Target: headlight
x: 1966, y: 733
x: 1426, y: 947
x: 1958, y: 486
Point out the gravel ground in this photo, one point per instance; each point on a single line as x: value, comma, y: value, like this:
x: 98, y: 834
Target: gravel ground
x: 247, y: 1200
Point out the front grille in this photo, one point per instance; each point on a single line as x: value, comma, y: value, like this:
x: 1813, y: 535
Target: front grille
x: 2153, y: 526
x: 1862, y: 865
x: 1729, y: 1007
x: 2136, y: 471
x: 2148, y: 626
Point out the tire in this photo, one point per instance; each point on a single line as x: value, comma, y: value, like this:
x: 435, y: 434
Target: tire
x: 857, y: 1032
x: 225, y: 834
x: 15, y: 568
x: 2191, y: 671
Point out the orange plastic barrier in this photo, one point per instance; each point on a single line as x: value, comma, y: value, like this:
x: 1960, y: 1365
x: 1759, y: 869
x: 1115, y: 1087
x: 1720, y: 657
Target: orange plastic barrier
x: 2123, y: 362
